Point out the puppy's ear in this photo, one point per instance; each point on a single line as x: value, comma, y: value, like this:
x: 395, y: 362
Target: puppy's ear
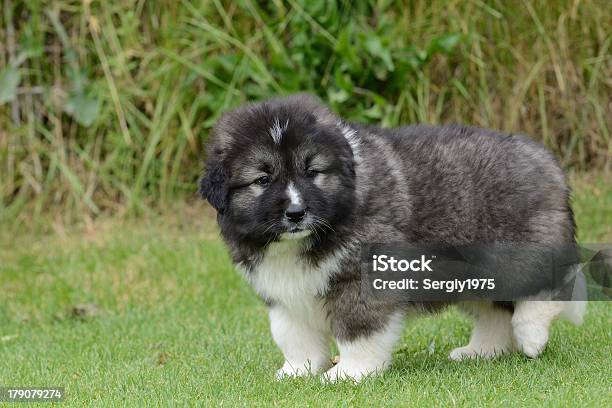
x: 214, y: 185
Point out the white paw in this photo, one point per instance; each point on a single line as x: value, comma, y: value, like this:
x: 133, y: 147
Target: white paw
x: 289, y: 370
x: 531, y: 339
x: 468, y: 352
x: 462, y: 353
x: 352, y: 373
x: 300, y: 369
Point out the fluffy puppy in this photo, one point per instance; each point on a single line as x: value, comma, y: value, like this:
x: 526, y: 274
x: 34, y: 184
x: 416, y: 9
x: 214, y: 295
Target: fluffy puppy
x: 299, y: 191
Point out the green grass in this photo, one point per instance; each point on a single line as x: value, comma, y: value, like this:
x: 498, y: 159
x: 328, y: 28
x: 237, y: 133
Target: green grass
x: 105, y: 105
x: 176, y: 324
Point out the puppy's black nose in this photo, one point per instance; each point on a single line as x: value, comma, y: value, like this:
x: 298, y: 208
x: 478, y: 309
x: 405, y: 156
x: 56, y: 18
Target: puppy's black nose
x: 295, y: 213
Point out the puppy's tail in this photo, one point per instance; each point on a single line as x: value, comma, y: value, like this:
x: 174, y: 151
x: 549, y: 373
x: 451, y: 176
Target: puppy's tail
x: 575, y: 309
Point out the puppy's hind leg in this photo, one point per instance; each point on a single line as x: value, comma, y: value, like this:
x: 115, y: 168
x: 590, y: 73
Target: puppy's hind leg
x: 531, y: 323
x: 492, y: 334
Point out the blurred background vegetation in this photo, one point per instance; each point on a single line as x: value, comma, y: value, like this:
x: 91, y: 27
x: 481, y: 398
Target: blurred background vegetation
x: 105, y: 105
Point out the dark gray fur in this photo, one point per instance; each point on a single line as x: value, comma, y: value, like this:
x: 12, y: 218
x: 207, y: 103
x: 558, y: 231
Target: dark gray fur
x: 446, y: 185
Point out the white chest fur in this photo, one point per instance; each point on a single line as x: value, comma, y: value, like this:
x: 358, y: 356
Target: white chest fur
x: 282, y: 276
x: 286, y: 279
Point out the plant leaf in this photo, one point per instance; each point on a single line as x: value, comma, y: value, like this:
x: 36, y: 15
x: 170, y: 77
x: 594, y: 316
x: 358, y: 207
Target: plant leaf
x: 9, y: 80
x: 376, y: 48
x: 84, y: 109
x: 443, y: 44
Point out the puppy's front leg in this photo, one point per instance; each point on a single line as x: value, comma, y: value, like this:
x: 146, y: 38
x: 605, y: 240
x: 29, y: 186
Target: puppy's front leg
x: 367, y: 354
x: 306, y: 348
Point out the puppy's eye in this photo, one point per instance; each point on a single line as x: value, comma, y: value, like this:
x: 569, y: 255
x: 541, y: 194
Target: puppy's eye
x: 263, y: 180
x: 310, y: 173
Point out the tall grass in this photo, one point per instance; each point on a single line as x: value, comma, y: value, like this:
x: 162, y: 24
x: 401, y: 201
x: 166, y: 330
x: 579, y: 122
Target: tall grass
x: 107, y: 103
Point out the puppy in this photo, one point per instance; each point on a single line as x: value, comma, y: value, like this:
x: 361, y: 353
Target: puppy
x: 299, y: 192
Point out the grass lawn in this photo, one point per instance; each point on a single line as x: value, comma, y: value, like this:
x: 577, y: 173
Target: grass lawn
x: 176, y: 324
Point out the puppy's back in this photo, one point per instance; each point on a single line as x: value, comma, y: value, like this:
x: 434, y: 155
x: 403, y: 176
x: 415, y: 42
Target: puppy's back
x: 467, y: 184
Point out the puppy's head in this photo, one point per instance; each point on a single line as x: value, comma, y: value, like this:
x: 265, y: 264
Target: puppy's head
x: 280, y: 169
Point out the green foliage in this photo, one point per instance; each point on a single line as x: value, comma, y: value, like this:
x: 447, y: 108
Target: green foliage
x: 106, y: 105
x: 83, y: 108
